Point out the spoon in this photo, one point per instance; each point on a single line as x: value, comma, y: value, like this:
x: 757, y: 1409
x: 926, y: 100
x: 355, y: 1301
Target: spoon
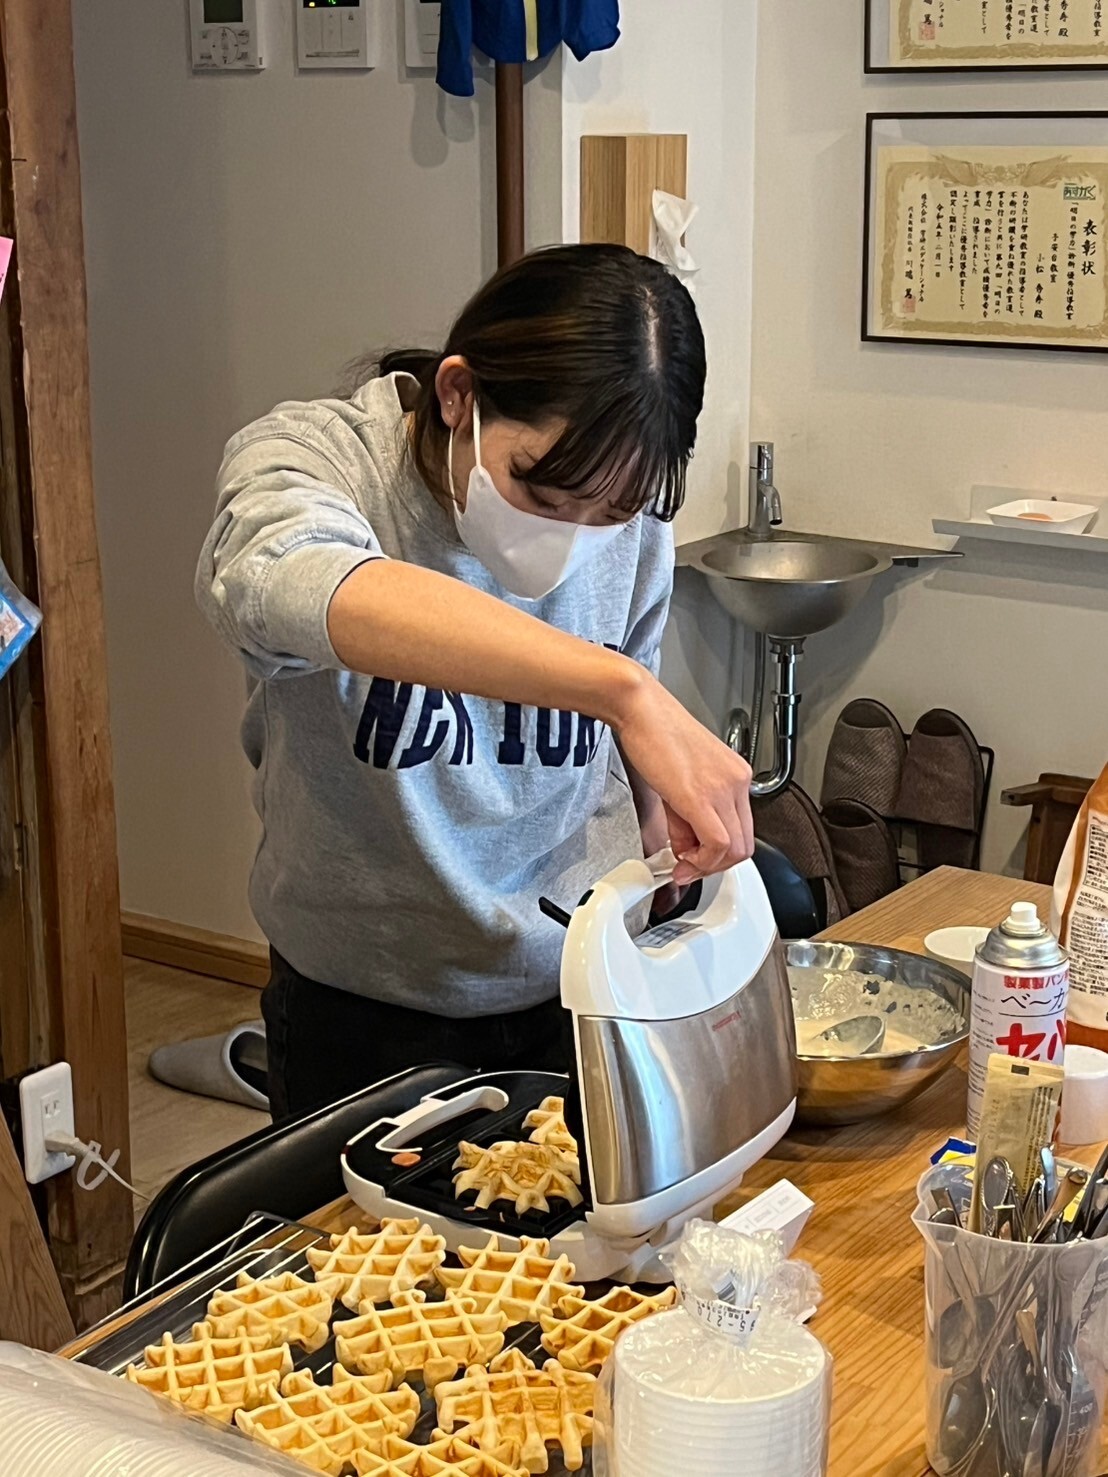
x: 1035, y: 1444
x: 944, y: 1202
x: 859, y: 1036
x: 1069, y: 1187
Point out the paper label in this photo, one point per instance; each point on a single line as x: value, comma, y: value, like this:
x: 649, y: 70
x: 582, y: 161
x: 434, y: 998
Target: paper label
x: 782, y: 1208
x: 665, y: 933
x: 721, y: 1317
x: 1018, y: 1014
x: 1087, y: 937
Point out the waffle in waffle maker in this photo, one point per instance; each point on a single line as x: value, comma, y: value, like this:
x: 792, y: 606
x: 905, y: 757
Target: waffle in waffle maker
x: 684, y: 1077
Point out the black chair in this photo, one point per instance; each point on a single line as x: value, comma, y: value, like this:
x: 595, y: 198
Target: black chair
x: 792, y: 900
x: 290, y: 1169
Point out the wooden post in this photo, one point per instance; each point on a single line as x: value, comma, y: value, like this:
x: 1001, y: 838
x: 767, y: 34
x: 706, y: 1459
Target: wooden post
x: 75, y: 911
x: 510, y: 172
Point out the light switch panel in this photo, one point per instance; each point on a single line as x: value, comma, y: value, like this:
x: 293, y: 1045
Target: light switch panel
x: 337, y: 34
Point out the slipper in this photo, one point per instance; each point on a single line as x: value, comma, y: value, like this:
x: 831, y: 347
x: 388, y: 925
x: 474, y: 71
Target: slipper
x: 231, y: 1067
x: 865, y: 852
x: 865, y: 758
x: 943, y: 790
x: 790, y: 821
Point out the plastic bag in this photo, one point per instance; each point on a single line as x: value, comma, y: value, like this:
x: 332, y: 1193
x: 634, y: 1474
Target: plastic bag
x: 984, y: 1384
x: 729, y: 1383
x: 1079, y: 918
x: 19, y: 620
x: 59, y: 1419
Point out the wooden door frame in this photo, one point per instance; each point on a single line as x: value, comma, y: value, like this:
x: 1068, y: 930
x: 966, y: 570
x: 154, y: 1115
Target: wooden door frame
x: 60, y: 688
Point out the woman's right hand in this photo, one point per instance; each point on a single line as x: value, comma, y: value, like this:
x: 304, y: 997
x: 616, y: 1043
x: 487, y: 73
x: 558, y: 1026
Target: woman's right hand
x: 704, y: 785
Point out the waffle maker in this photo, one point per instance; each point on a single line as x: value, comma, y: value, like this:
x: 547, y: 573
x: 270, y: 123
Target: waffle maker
x: 685, y: 1076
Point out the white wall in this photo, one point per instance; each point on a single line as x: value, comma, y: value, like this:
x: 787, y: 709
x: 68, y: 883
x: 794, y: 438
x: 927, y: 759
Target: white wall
x: 246, y: 236
x: 875, y: 440
x: 690, y: 68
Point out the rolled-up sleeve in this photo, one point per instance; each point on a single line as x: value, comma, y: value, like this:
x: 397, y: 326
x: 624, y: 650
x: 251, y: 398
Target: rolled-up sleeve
x: 287, y: 533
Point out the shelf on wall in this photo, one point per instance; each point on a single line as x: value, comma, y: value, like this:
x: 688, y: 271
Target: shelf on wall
x: 978, y: 525
x: 1047, y: 538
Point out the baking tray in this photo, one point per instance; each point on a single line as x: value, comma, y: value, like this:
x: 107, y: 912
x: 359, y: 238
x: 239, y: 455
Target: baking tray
x: 265, y: 1247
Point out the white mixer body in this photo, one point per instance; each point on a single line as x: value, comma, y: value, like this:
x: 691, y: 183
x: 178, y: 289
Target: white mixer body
x: 685, y: 1045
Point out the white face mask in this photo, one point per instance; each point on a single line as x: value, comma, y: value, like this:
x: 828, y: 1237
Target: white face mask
x: 528, y: 554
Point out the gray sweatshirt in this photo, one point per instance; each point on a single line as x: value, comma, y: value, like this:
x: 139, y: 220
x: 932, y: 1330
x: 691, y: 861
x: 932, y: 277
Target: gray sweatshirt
x: 408, y: 833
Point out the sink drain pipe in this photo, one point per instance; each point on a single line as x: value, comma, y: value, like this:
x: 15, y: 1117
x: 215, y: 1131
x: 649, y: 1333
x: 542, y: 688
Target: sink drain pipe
x: 784, y: 652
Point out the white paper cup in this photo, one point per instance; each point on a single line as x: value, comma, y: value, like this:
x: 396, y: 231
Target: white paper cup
x: 956, y: 946
x: 1085, y: 1096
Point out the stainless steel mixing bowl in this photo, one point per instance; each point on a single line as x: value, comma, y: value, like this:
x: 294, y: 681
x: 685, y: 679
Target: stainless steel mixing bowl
x: 849, y: 1089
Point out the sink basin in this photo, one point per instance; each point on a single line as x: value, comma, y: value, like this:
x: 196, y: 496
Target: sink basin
x: 790, y: 587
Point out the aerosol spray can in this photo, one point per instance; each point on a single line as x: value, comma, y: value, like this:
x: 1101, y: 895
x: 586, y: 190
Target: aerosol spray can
x: 1021, y: 983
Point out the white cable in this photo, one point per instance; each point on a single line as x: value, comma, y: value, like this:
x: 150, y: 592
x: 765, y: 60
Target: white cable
x: 90, y: 1155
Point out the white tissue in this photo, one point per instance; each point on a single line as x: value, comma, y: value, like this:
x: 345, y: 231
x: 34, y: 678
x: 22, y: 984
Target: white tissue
x: 672, y: 218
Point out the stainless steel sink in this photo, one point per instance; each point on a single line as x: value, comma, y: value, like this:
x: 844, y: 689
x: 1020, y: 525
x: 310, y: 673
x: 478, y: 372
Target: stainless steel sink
x: 789, y: 587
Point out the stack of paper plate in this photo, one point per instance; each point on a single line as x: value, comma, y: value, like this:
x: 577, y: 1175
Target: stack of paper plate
x: 712, y: 1417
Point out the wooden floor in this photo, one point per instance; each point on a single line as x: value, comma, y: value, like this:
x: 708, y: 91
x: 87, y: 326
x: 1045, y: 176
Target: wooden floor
x: 171, y: 1129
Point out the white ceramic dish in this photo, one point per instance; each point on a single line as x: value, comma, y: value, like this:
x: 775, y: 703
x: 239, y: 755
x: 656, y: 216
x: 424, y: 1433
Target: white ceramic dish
x: 1029, y: 512
x: 955, y: 946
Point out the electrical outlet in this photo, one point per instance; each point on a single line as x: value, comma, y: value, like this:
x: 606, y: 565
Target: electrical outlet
x: 46, y: 1105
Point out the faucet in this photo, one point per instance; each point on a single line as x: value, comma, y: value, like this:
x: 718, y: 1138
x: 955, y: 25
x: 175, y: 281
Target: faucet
x: 765, y: 500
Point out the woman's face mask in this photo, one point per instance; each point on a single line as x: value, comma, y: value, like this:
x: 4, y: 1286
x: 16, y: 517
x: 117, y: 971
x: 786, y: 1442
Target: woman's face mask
x: 526, y: 553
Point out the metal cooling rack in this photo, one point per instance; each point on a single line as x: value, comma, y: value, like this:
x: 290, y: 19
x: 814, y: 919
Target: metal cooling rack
x: 265, y: 1247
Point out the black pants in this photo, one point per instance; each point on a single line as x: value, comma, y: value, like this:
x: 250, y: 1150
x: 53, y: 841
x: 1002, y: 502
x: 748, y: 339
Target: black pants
x: 324, y: 1044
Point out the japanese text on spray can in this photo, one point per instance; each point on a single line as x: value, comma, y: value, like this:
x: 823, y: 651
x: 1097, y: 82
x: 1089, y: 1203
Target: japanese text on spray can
x: 1021, y: 980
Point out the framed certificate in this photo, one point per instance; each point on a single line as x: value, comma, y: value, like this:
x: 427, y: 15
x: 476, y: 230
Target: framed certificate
x: 985, y: 35
x: 987, y: 229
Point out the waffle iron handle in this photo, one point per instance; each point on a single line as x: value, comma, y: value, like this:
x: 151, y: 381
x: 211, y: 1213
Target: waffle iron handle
x: 432, y: 1113
x: 636, y: 881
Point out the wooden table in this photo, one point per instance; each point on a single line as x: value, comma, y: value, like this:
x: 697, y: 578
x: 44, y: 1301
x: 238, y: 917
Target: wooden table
x: 863, y: 1180
x: 860, y: 1238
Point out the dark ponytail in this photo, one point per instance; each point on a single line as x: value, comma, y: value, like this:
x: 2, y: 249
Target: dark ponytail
x: 596, y: 338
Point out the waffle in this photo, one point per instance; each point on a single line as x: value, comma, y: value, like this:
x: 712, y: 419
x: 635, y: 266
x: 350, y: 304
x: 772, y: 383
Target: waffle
x: 397, y: 1257
x: 530, y: 1174
x: 585, y: 1335
x: 215, y: 1375
x: 285, y: 1308
x: 512, y: 1406
x: 449, y: 1458
x: 548, y: 1126
x: 520, y: 1284
x: 415, y: 1336
x: 325, y: 1426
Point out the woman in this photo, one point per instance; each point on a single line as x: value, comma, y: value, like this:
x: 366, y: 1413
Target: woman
x: 451, y: 591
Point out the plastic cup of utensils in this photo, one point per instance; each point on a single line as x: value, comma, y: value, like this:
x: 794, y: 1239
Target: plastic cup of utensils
x: 1085, y: 1096
x: 1016, y: 1342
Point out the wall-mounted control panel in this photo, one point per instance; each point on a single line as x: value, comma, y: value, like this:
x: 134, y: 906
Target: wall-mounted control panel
x: 225, y: 36
x: 336, y: 33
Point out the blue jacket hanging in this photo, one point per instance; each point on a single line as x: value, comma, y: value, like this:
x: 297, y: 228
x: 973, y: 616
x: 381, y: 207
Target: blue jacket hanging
x: 519, y: 31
